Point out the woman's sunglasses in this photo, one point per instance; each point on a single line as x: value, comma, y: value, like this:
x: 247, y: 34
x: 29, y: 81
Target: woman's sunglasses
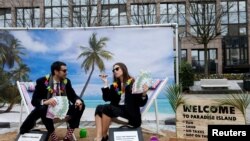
x: 115, y: 69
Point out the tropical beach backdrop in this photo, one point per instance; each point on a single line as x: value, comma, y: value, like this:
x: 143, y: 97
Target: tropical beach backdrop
x: 89, y: 52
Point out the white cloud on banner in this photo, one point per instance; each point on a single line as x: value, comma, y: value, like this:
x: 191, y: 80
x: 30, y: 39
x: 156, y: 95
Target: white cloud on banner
x: 30, y: 43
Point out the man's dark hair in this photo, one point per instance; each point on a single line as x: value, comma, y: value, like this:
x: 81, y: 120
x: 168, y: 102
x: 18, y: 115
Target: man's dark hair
x: 56, y: 66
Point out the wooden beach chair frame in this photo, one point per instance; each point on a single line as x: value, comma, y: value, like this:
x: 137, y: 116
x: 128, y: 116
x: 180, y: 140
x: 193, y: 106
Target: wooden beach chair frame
x: 152, y: 98
x: 23, y: 88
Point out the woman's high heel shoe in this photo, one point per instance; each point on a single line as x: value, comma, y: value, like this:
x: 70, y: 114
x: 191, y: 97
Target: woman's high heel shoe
x: 105, y: 138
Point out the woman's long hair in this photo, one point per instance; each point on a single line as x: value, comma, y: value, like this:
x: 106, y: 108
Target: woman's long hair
x: 125, y: 74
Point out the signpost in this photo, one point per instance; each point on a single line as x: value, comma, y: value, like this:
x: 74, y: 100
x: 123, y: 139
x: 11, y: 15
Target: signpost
x: 194, y: 117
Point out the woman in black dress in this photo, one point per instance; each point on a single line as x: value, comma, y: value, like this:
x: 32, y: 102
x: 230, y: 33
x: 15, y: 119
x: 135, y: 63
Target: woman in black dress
x: 122, y: 102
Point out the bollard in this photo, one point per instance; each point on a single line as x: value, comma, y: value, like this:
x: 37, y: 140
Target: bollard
x: 153, y: 138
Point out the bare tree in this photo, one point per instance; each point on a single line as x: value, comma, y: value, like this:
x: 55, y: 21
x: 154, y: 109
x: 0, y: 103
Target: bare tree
x: 203, y: 18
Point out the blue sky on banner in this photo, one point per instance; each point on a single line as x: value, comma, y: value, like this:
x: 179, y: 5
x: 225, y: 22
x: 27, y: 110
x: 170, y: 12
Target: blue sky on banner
x: 149, y: 49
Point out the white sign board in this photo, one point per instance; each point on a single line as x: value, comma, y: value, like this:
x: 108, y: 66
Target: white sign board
x: 30, y: 137
x: 126, y: 136
x: 194, y: 117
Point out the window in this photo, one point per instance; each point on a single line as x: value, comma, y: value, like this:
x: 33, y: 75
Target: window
x: 114, y: 1
x: 235, y: 49
x: 234, y: 19
x: 143, y: 14
x: 84, y: 2
x: 56, y: 2
x: 84, y: 15
x: 172, y: 13
x: 56, y: 13
x: 28, y: 17
x: 203, y: 14
x: 183, y: 54
x: 5, y: 17
x: 114, y: 13
x: 198, y: 60
x: 242, y: 12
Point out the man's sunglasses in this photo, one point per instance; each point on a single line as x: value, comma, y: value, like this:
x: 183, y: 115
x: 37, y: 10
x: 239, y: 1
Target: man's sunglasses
x: 64, y: 70
x: 115, y: 69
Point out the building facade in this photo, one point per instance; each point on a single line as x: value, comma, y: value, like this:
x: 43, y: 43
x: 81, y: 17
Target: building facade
x: 228, y: 52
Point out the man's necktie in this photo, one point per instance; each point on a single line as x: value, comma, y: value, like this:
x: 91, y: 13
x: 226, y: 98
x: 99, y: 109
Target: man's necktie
x: 58, y: 89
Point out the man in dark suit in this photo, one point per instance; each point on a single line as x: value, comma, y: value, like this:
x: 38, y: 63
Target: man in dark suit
x: 55, y: 84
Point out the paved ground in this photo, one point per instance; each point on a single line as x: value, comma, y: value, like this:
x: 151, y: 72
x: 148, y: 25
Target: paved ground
x: 10, y: 121
x: 236, y: 86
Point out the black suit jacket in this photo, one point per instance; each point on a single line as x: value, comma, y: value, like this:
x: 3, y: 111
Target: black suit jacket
x: 41, y: 92
x: 133, y: 102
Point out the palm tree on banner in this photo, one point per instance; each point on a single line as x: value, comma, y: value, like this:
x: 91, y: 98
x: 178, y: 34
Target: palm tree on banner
x: 13, y: 54
x: 5, y: 40
x: 10, y: 92
x: 2, y: 53
x: 11, y: 51
x: 21, y: 73
x: 93, y: 56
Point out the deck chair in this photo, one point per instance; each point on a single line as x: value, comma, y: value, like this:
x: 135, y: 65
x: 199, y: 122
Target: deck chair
x: 26, y: 90
x: 152, y: 98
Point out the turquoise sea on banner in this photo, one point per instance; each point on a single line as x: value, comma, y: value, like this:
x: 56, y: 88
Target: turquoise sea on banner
x: 163, y: 105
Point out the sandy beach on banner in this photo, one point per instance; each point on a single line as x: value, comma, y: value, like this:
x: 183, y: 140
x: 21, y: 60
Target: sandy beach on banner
x: 88, y: 115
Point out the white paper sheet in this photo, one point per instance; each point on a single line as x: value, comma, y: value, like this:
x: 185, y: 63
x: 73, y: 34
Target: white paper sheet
x: 60, y: 110
x: 143, y: 78
x: 126, y: 136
